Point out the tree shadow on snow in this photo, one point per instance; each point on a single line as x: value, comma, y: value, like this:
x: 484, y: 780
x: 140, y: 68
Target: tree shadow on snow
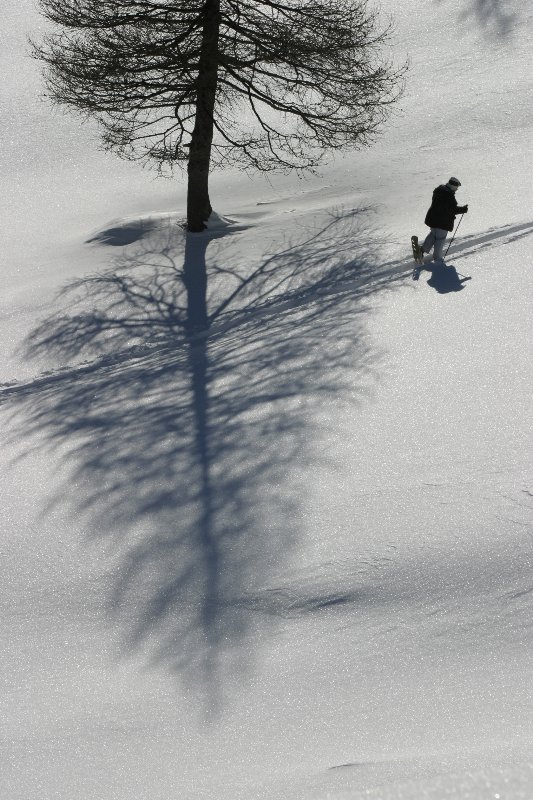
x: 494, y: 17
x: 183, y: 453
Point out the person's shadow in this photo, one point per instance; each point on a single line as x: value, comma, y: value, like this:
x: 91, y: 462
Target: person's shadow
x: 445, y: 278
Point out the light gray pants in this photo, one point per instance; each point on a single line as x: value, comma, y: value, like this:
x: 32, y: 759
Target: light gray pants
x: 435, y: 240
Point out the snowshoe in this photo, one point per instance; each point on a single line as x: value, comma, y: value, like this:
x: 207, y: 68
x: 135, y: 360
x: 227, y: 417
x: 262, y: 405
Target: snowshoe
x: 418, y: 253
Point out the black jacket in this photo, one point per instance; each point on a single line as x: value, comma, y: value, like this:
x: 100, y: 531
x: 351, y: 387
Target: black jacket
x: 443, y: 209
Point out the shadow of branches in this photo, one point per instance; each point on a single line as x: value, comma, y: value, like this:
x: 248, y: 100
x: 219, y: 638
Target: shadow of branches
x: 185, y: 454
x: 493, y: 17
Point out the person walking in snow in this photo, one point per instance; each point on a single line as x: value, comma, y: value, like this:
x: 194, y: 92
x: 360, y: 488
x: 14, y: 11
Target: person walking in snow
x: 441, y: 218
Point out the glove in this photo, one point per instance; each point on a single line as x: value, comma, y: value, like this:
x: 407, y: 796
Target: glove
x: 462, y: 209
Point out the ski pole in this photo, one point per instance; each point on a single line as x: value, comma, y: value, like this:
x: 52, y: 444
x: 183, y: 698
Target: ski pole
x: 453, y: 237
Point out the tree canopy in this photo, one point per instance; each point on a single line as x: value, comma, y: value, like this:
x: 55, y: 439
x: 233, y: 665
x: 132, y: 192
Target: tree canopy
x: 292, y: 80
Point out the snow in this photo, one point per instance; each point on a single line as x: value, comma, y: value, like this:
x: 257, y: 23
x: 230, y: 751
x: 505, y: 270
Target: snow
x: 295, y: 562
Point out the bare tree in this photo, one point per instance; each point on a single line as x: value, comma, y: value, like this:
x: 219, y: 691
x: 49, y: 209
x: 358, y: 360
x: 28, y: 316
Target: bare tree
x: 258, y: 83
x: 264, y: 84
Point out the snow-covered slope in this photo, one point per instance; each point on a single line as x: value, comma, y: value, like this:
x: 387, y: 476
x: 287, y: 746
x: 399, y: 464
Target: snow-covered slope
x: 295, y: 561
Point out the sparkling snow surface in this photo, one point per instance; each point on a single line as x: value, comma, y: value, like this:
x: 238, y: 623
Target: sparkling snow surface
x: 297, y: 562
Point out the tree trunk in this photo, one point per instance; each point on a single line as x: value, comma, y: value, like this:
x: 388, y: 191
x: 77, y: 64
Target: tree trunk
x: 198, y: 204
